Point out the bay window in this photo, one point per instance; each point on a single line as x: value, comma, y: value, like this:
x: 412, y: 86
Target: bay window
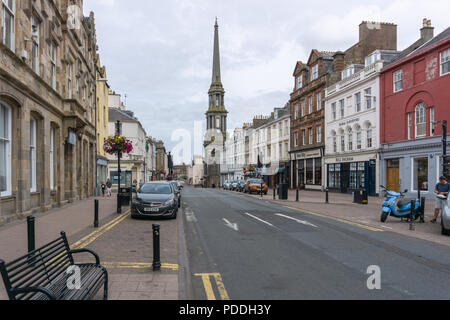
x: 5, y: 150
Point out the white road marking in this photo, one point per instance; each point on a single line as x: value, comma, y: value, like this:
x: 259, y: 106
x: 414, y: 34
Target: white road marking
x: 306, y: 223
x: 190, y: 216
x: 233, y: 226
x: 268, y: 223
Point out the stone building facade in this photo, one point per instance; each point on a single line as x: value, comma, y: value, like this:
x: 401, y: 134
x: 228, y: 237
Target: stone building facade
x: 47, y: 99
x: 322, y: 70
x: 162, y: 161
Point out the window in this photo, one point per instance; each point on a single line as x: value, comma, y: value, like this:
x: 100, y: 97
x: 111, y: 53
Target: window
x: 368, y: 96
x: 53, y: 64
x: 310, y: 134
x: 358, y: 140
x: 342, y: 108
x: 8, y: 24
x: 432, y: 122
x: 369, y: 138
x: 334, y: 176
x: 342, y: 143
x: 303, y: 108
x: 374, y: 57
x: 334, y: 144
x: 350, y: 140
x: 296, y: 111
x: 445, y: 62
x: 348, y: 72
x: 315, y: 72
x: 296, y: 139
x: 318, y: 171
x: 69, y: 81
x: 299, y: 82
x: 309, y: 171
x: 398, y: 80
x: 333, y: 110
x: 310, y: 105
x: 319, y: 134
x: 286, y: 150
x: 303, y: 137
x: 358, y: 102
x: 33, y: 154
x: 35, y: 44
x: 52, y: 157
x: 420, y: 174
x: 319, y: 101
x: 421, y: 120
x: 409, y: 126
x: 5, y: 150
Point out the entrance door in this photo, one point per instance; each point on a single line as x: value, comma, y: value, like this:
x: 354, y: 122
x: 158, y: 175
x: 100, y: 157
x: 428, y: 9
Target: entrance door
x: 393, y: 175
x: 345, y: 177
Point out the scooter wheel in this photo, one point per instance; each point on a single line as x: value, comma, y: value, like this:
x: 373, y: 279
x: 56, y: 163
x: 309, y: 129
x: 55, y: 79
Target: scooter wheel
x: 384, y: 216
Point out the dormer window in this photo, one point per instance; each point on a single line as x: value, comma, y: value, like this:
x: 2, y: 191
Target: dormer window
x: 299, y: 82
x: 315, y: 72
x: 348, y: 71
x: 373, y: 57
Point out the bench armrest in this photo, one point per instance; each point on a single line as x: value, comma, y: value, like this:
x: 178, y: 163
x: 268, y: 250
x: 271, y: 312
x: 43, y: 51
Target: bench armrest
x: 42, y: 290
x: 97, y: 258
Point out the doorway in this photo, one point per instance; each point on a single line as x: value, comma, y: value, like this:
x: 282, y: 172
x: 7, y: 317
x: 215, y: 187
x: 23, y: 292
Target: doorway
x: 393, y: 174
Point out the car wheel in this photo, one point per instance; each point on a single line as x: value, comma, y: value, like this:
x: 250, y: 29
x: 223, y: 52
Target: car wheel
x: 384, y: 216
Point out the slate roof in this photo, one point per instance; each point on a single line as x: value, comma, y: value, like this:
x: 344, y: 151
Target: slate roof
x: 117, y: 114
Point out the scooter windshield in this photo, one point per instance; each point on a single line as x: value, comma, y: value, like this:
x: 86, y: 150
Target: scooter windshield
x: 393, y: 193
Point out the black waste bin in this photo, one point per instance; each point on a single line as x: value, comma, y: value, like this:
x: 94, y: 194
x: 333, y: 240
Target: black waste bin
x: 125, y: 196
x: 361, y: 197
x: 283, y: 191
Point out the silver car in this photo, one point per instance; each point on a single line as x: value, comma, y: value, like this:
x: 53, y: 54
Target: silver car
x: 446, y: 218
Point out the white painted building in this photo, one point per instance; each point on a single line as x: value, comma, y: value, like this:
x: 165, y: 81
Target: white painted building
x: 196, y: 171
x: 352, y: 127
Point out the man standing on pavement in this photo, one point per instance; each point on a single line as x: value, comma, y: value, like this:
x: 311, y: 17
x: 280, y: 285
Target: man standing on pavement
x: 442, y: 188
x: 109, y: 186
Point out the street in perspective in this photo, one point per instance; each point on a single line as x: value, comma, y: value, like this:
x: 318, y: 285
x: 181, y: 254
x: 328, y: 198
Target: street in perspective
x: 236, y: 151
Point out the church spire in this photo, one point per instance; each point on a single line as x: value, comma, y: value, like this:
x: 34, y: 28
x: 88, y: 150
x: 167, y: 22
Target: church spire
x: 216, y: 59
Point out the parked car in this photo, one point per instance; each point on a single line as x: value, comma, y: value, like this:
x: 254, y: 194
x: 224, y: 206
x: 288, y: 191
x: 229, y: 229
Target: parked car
x: 177, y: 188
x: 241, y: 185
x: 256, y: 186
x: 155, y: 200
x: 227, y: 185
x: 234, y: 185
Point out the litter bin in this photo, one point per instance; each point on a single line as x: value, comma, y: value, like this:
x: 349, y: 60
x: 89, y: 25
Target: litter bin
x: 125, y: 196
x: 361, y: 197
x: 283, y: 191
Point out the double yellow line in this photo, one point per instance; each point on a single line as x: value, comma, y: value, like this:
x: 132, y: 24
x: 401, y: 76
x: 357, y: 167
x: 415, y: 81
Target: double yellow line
x: 87, y: 240
x: 206, y: 278
x: 355, y: 224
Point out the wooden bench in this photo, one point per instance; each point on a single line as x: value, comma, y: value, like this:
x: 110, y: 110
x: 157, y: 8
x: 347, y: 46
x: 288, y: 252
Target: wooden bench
x: 43, y: 274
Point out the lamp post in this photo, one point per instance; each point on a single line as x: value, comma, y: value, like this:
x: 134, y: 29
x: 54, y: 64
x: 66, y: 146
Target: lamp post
x: 119, y: 204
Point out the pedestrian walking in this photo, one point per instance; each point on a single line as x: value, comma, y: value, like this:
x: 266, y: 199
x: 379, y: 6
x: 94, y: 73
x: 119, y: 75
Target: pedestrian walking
x: 109, y: 186
x: 443, y: 189
x: 103, y: 186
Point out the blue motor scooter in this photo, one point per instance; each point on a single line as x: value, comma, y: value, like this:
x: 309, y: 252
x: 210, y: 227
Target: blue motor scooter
x: 396, y: 208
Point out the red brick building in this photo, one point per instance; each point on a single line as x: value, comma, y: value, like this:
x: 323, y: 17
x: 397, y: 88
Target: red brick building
x: 415, y: 95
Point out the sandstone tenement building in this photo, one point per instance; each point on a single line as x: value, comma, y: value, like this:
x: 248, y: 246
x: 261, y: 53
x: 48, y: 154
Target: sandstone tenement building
x: 47, y: 105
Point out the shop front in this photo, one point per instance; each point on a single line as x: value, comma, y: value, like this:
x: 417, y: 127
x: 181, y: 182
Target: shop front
x: 308, y: 166
x: 412, y: 165
x: 351, y: 173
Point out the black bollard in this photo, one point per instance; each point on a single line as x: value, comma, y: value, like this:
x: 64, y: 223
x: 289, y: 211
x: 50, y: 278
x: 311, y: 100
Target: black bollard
x: 96, y: 213
x: 422, y: 210
x: 297, y: 196
x: 327, y: 198
x: 31, y: 233
x: 411, y: 218
x: 156, y: 252
x: 274, y: 193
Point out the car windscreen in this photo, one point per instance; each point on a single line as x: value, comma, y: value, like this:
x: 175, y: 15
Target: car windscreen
x: 155, y: 188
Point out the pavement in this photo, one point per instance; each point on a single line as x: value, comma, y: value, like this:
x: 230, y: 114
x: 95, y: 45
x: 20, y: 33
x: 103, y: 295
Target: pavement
x: 123, y: 244
x: 241, y: 248
x: 340, y: 206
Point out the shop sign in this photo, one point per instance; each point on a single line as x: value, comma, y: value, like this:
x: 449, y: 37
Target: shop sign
x: 309, y: 155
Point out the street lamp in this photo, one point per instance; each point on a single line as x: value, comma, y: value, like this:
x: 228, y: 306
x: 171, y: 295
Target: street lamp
x: 119, y: 154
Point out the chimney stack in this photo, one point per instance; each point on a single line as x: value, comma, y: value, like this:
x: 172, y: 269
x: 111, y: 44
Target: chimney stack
x: 427, y: 31
x: 339, y: 61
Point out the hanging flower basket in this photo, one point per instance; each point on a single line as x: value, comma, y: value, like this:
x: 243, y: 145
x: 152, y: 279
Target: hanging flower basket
x: 117, y: 145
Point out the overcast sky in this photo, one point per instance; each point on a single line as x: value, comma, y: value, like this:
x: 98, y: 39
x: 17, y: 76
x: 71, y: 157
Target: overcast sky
x: 159, y: 53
